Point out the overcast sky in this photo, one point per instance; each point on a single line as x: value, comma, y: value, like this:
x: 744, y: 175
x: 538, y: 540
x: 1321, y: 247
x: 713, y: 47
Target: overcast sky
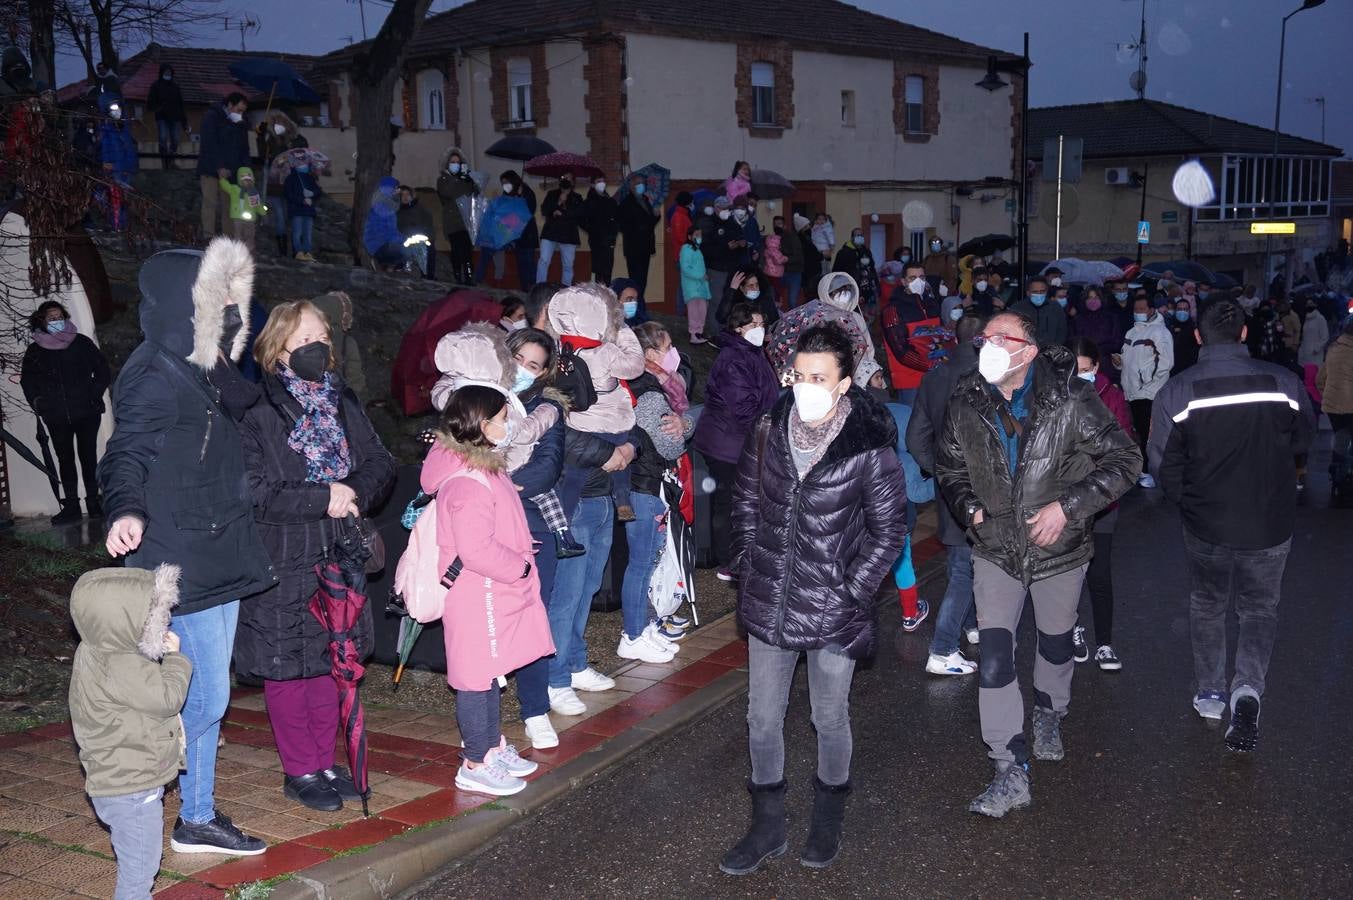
x: 1220, y: 56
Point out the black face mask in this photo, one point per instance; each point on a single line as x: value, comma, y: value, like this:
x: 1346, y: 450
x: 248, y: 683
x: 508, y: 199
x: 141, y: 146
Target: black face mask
x: 565, y: 185
x: 310, y: 361
x: 231, y: 323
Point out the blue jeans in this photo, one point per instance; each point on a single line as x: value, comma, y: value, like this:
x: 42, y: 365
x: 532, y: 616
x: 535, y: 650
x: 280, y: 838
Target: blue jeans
x: 645, y: 540
x: 481, y: 267
x: 526, y: 266
x: 207, y: 639
x: 793, y: 282
x: 956, y: 608
x: 137, y: 825
x: 168, y: 133
x: 302, y: 233
x: 279, y: 216
x: 566, y: 251
x: 576, y: 581
x: 533, y: 678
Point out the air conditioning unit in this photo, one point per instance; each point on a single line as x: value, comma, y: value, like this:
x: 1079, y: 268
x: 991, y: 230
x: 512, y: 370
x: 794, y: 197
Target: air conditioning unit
x: 1121, y: 175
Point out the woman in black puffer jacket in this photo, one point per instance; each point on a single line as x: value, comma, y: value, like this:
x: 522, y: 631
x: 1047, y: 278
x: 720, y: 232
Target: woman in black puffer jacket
x: 819, y: 517
x: 64, y: 377
x: 313, y: 459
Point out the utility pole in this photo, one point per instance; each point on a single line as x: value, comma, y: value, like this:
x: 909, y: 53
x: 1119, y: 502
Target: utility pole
x: 1141, y: 215
x: 1140, y: 83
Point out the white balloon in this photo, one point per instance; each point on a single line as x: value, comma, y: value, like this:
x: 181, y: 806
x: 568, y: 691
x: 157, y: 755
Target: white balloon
x: 1193, y: 185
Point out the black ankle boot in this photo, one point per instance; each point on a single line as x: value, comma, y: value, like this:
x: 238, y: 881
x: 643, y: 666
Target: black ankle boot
x: 70, y: 512
x: 824, y: 830
x: 765, y: 839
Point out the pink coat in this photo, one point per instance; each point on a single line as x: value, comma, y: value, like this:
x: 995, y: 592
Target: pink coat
x: 494, y: 621
x: 773, y: 260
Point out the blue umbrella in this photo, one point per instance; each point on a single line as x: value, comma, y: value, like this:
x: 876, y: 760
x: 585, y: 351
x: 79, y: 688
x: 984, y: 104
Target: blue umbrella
x: 276, y: 78
x: 657, y: 180
x: 503, y: 222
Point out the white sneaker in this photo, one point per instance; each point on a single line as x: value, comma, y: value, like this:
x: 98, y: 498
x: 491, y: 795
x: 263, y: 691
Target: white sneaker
x: 565, y: 702
x: 655, y: 637
x: 643, y: 650
x: 1146, y: 481
x: 507, y: 754
x: 540, y: 732
x: 590, y: 679
x: 953, y: 664
x: 974, y: 636
x: 491, y: 778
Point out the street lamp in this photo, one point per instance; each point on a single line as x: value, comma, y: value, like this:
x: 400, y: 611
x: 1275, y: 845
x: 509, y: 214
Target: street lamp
x: 1277, y: 118
x: 992, y: 81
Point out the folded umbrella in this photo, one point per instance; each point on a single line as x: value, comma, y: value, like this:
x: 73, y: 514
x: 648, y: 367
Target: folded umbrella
x: 519, y: 147
x: 770, y: 185
x: 561, y: 162
x: 339, y: 603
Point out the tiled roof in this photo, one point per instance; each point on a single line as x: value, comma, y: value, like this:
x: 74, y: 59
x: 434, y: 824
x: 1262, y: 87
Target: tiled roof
x: 203, y: 73
x: 826, y: 24
x: 1124, y: 128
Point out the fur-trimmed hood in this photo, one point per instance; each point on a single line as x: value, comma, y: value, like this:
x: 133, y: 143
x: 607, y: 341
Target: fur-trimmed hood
x: 475, y: 354
x: 587, y: 310
x: 125, y: 610
x: 449, y: 455
x: 184, y: 294
x: 277, y: 117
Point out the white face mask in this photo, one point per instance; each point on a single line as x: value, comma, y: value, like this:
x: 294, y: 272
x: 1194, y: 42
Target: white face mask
x: 724, y: 214
x: 755, y: 336
x: 944, y: 289
x: 508, y: 187
x: 599, y: 187
x: 993, y: 363
x: 740, y: 215
x: 279, y: 130
x: 235, y: 117
x: 981, y: 285
x: 813, y: 401
x: 511, y: 325
x: 1055, y: 282
x: 509, y: 432
x: 751, y: 295
x: 917, y: 285
x: 115, y: 113
x: 708, y: 210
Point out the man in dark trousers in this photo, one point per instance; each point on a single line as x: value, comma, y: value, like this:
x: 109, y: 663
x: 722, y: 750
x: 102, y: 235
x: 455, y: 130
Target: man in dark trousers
x: 956, y: 613
x: 638, y: 221
x: 223, y: 149
x: 1223, y: 436
x: 599, y: 221
x: 165, y: 100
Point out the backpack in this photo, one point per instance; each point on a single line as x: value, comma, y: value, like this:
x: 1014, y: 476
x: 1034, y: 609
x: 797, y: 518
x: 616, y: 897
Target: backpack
x: 574, y: 379
x: 420, y: 585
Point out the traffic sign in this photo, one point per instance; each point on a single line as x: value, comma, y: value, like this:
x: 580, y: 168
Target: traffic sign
x: 1143, y: 232
x: 1273, y: 228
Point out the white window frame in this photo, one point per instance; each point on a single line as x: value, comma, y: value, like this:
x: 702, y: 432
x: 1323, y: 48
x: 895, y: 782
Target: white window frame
x: 1303, y: 189
x: 519, y: 100
x: 431, y: 84
x: 763, y: 93
x: 913, y: 104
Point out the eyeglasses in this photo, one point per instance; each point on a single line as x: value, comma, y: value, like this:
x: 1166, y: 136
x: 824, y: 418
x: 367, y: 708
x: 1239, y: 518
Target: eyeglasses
x: 999, y: 340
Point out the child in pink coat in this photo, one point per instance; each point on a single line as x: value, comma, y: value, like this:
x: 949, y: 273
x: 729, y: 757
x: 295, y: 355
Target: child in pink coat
x: 494, y: 621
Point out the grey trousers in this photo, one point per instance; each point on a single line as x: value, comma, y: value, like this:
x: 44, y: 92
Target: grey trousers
x: 717, y: 281
x: 137, y: 823
x: 1000, y: 604
x: 770, y: 672
x: 1255, y: 579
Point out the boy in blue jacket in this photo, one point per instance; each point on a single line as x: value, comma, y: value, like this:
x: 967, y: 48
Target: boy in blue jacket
x: 302, y: 192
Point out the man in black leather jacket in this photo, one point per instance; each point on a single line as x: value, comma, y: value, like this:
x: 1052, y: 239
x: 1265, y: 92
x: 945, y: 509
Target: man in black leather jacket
x: 1029, y: 454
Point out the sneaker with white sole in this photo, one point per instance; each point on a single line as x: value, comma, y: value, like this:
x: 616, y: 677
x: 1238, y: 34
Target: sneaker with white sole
x: 642, y: 649
x: 911, y: 623
x: 507, y: 754
x: 491, y: 777
x: 1107, y: 659
x: 1242, y: 735
x: 653, y: 634
x: 669, y: 632
x: 590, y: 679
x: 953, y: 664
x: 1080, y: 650
x: 1210, y: 704
x: 725, y: 574
x: 565, y: 702
x: 974, y: 636
x: 676, y: 620
x: 540, y: 732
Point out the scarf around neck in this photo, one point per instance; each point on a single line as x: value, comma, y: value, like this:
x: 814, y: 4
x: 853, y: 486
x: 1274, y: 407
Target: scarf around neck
x: 48, y: 341
x: 318, y: 434
x: 813, y: 440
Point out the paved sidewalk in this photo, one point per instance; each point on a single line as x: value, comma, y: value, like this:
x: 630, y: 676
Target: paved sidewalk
x: 51, y: 845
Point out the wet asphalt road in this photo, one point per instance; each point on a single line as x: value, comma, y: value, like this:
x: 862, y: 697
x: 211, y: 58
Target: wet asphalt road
x: 1147, y: 802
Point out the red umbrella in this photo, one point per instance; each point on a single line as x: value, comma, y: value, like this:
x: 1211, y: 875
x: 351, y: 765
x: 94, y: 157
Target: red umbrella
x: 339, y: 603
x: 561, y: 162
x: 414, y: 373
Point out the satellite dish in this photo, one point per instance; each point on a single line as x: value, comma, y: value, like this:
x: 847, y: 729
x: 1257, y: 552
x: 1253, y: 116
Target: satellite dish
x: 1137, y: 81
x: 1071, y: 205
x: 917, y: 215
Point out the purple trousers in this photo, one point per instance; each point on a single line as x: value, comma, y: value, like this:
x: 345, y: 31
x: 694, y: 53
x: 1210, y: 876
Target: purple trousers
x: 304, y: 717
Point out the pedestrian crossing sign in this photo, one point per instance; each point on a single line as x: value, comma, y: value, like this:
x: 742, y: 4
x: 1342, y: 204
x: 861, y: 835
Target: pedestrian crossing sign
x: 1143, y: 232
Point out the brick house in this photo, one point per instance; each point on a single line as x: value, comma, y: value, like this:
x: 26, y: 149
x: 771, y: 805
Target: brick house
x: 876, y: 122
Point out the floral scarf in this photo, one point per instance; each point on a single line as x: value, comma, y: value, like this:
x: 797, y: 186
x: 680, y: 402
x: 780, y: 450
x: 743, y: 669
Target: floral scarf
x: 318, y: 435
x: 813, y: 440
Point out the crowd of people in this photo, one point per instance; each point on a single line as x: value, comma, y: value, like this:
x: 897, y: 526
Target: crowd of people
x: 242, y: 452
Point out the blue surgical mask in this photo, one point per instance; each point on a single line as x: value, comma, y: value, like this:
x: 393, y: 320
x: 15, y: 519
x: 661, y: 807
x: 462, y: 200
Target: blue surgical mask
x: 1181, y: 315
x: 631, y: 308
x: 56, y: 327
x: 303, y: 169
x: 751, y: 295
x: 1061, y: 301
x: 857, y: 240
x: 956, y: 313
x: 1120, y: 296
x: 1086, y: 376
x: 1139, y: 317
x: 1038, y: 299
x: 525, y: 378
x: 640, y: 188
